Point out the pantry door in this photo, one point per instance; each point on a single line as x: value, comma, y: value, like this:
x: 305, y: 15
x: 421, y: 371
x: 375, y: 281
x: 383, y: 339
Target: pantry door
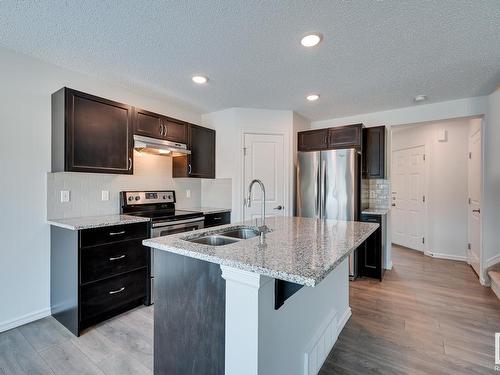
x: 264, y: 159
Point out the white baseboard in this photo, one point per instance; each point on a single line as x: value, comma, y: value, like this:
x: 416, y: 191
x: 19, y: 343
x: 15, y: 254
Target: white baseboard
x: 28, y: 318
x: 461, y: 258
x: 492, y: 261
x: 342, y: 321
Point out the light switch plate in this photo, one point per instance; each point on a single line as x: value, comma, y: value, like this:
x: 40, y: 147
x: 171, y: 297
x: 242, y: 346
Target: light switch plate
x: 105, y: 195
x: 188, y: 193
x: 65, y: 197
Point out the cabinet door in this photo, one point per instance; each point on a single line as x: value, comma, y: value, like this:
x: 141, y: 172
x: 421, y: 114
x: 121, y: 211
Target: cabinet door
x: 98, y: 135
x: 374, y: 152
x: 148, y: 124
x: 370, y: 258
x: 313, y: 140
x: 175, y: 131
x: 202, y: 146
x: 345, y: 137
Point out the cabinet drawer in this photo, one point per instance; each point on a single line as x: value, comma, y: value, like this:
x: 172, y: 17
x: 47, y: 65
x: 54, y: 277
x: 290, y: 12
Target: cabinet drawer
x: 371, y: 218
x: 100, y: 236
x: 221, y: 218
x: 99, y: 262
x: 110, y: 294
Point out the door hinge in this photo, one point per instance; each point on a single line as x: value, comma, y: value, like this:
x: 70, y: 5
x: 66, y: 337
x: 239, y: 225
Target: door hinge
x: 423, y: 240
x: 468, y: 246
x: 244, y: 151
x: 423, y: 156
x: 470, y: 155
x: 423, y: 198
x: 469, y: 201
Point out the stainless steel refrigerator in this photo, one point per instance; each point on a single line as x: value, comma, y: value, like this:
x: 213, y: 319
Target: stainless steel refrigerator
x: 328, y: 187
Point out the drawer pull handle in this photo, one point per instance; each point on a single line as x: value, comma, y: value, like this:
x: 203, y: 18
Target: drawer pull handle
x: 116, y: 233
x: 117, y: 291
x: 116, y: 258
x: 217, y: 218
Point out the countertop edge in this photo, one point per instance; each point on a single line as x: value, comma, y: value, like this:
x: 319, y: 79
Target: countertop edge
x: 61, y: 224
x: 294, y: 278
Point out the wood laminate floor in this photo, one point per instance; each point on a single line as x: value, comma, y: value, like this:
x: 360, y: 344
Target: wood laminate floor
x: 428, y: 316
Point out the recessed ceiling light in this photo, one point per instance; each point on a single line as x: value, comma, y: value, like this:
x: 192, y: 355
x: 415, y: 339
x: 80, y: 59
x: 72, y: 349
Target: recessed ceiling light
x: 420, y: 98
x: 200, y: 80
x: 312, y: 97
x: 311, y: 40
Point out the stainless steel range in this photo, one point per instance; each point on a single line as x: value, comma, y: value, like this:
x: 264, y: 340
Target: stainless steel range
x: 159, y: 206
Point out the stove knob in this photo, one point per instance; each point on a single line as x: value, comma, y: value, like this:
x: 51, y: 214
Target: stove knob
x: 137, y: 197
x: 130, y: 199
x: 164, y: 197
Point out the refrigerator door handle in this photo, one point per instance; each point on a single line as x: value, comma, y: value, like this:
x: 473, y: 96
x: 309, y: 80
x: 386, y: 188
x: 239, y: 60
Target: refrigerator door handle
x: 322, y: 182
x: 317, y: 212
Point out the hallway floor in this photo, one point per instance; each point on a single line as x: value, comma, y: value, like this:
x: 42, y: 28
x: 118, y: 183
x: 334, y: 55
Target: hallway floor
x: 428, y: 316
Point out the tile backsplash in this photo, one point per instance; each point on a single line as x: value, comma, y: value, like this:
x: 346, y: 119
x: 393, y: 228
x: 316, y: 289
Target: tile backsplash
x: 151, y: 172
x: 376, y: 194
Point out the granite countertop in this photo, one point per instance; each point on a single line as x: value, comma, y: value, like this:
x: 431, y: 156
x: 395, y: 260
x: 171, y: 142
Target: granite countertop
x: 88, y: 222
x: 375, y: 211
x: 299, y: 250
x: 207, y: 210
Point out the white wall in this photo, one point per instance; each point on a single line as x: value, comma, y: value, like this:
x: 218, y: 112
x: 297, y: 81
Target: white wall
x: 411, y: 115
x: 446, y: 181
x: 491, y: 182
x: 26, y: 85
x: 230, y: 125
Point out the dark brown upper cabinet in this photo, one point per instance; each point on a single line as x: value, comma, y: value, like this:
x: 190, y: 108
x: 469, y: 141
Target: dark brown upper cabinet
x: 313, y: 140
x: 175, y: 130
x: 374, y: 152
x: 91, y: 134
x: 151, y: 124
x: 349, y: 136
x: 201, y: 162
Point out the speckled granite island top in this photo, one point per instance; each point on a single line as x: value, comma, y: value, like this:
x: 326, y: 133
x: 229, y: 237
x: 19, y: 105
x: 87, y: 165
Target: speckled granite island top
x: 89, y: 222
x: 299, y: 250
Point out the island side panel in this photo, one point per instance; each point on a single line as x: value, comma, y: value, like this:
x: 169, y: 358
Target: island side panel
x: 189, y: 316
x: 309, y: 322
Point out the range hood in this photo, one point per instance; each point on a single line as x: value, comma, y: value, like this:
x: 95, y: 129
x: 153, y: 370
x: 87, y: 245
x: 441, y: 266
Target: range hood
x: 159, y: 146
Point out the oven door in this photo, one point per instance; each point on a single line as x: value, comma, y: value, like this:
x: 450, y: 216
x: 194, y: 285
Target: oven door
x: 168, y: 228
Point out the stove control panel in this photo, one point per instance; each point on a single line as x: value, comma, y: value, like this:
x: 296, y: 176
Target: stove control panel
x: 149, y: 197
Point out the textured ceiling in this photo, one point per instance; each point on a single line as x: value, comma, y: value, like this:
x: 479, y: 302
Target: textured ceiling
x: 375, y: 55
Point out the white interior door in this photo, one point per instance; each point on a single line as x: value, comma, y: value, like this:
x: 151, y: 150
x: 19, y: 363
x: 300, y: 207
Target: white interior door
x: 264, y: 160
x: 474, y: 214
x: 408, y: 199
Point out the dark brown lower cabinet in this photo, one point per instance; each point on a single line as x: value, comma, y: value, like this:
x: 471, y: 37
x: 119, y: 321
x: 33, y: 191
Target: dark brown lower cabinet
x: 370, y: 253
x: 97, y: 273
x: 221, y: 218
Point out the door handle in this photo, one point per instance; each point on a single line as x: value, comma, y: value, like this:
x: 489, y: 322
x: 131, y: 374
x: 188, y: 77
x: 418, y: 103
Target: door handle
x: 117, y: 291
x: 117, y: 258
x: 129, y: 164
x: 279, y: 207
x: 478, y: 211
x: 393, y: 205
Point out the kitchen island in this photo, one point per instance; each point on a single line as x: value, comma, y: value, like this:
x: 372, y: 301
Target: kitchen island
x: 253, y: 307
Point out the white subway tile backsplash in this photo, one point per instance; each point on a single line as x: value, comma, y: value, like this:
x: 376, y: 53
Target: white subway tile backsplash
x: 150, y: 173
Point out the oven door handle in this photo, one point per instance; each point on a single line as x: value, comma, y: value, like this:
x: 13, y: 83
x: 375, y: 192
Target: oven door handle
x: 171, y: 223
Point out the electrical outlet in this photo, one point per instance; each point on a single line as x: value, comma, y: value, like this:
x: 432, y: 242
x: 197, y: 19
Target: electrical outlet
x: 65, y: 197
x: 105, y: 195
x: 188, y: 193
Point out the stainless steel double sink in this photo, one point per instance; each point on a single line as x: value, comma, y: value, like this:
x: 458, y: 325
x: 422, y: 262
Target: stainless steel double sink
x: 226, y: 236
